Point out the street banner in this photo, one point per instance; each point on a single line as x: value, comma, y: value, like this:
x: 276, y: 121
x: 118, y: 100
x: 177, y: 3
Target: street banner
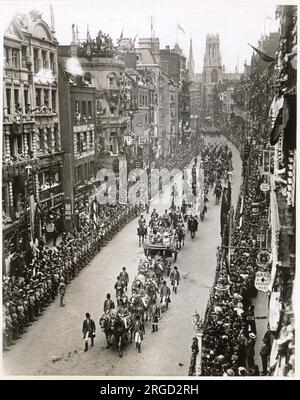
x: 262, y: 281
x: 274, y: 311
x: 32, y: 210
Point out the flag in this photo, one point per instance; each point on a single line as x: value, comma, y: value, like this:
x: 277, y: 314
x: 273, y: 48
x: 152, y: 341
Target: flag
x: 265, y: 57
x: 180, y: 27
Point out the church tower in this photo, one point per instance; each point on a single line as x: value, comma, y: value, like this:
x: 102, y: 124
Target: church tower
x: 212, y: 71
x: 212, y: 65
x: 191, y: 63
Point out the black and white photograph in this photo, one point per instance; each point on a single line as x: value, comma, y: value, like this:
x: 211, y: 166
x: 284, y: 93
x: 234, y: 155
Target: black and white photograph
x: 149, y: 189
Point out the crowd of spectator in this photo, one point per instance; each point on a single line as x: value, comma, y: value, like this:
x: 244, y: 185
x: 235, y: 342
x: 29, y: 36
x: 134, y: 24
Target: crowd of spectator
x: 32, y: 285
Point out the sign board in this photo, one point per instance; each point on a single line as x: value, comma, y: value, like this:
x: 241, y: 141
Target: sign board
x: 264, y: 258
x: 262, y: 281
x: 264, y: 187
x: 274, y: 311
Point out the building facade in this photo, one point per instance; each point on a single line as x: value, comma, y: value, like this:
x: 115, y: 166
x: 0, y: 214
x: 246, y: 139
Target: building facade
x: 32, y: 157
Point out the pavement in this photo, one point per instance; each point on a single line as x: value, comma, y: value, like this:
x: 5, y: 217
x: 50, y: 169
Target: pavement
x: 54, y: 346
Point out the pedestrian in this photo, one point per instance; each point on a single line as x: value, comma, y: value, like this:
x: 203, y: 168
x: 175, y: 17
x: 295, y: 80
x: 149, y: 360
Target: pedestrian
x: 89, y: 331
x: 250, y: 350
x: 155, y: 314
x: 175, y: 278
x: 119, y: 289
x: 138, y: 333
x: 165, y: 296
x: 124, y: 278
x: 264, y: 354
x: 108, y: 304
x: 62, y: 291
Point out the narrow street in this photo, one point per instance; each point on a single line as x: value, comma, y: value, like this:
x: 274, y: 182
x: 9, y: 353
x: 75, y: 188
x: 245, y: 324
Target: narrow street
x: 53, y: 345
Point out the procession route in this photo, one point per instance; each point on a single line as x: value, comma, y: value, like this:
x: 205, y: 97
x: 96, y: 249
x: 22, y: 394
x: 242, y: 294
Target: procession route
x: 53, y: 345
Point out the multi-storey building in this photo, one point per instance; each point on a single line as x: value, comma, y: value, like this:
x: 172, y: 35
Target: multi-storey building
x: 102, y: 70
x: 32, y: 156
x: 77, y: 107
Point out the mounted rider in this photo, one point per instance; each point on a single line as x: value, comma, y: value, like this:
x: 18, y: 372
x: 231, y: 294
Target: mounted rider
x: 108, y: 304
x: 119, y: 289
x: 124, y: 278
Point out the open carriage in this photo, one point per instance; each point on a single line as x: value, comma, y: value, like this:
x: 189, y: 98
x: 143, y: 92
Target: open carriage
x: 163, y: 250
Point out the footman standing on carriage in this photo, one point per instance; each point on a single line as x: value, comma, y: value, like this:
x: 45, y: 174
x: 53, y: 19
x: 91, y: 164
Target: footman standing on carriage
x: 89, y: 331
x: 175, y: 278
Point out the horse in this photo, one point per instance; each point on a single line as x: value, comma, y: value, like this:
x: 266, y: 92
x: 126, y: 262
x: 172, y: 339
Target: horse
x: 105, y: 324
x: 192, y: 226
x: 142, y: 233
x: 119, y: 331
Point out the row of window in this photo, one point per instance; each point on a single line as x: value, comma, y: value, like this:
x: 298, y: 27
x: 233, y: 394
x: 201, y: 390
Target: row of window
x: 16, y: 58
x: 42, y: 98
x: 84, y: 142
x: 84, y: 172
x: 23, y: 144
x: 84, y: 108
x: 143, y: 100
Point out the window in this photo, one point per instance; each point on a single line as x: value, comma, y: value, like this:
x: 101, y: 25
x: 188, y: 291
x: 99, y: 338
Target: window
x: 146, y: 101
x: 111, y: 81
x: 90, y: 111
x: 24, y: 50
x: 46, y: 97
x: 38, y: 97
x: 49, y: 139
x: 84, y: 141
x: 26, y: 100
x: 77, y: 110
x: 15, y: 61
x: 214, y: 76
x: 35, y: 60
x: 78, y: 143
x: 41, y: 140
x: 112, y: 111
x: 19, y: 144
x: 83, y: 108
x: 91, y: 139
x: 146, y: 119
x: 6, y: 55
x: 53, y: 100
x: 8, y: 101
x: 56, y: 138
x: 44, y: 60
x: 52, y: 66
x: 17, y: 104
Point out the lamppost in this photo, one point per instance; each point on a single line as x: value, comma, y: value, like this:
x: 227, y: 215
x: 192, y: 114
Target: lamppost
x: 199, y: 329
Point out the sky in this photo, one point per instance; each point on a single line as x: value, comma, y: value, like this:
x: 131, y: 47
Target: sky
x: 238, y: 22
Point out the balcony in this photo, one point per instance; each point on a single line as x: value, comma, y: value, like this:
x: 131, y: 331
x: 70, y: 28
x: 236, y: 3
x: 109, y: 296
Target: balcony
x: 47, y: 191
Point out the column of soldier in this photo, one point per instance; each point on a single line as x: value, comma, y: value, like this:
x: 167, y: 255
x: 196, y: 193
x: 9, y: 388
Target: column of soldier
x: 32, y: 287
x: 229, y: 339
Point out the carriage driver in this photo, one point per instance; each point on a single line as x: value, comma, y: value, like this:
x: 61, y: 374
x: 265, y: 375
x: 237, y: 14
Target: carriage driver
x: 123, y: 309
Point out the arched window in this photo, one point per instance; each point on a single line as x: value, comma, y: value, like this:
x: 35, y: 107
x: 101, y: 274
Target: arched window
x: 214, y: 76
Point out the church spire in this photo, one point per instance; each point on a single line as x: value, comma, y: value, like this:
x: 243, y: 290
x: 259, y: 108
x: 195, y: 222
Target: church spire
x: 191, y: 63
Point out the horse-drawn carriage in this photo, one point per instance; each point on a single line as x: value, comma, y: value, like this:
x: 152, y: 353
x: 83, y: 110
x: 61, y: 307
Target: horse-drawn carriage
x: 161, y: 249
